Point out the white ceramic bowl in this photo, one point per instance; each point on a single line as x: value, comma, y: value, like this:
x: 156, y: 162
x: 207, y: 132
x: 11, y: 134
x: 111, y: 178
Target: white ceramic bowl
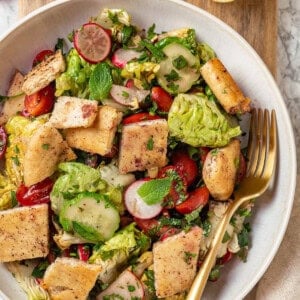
x: 41, y: 29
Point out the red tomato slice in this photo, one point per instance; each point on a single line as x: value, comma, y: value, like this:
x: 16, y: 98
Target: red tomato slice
x: 198, y: 197
x: 3, y: 141
x: 241, y: 172
x: 142, y: 116
x: 92, y: 42
x: 226, y: 258
x: 83, y: 252
x: 182, y: 161
x: 40, y: 102
x: 162, y: 98
x: 169, y: 232
x: 35, y: 194
x: 178, y: 191
x: 42, y: 56
x: 148, y: 225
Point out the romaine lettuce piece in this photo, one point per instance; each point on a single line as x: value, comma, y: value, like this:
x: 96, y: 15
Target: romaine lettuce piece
x: 75, y: 80
x: 7, y: 193
x: 196, y: 121
x: 76, y: 178
x: 19, y: 130
x: 115, y: 253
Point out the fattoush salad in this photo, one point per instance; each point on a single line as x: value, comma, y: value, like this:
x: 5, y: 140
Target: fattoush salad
x: 120, y: 151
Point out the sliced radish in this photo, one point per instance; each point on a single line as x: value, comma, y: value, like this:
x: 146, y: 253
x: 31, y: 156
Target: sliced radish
x: 126, y: 286
x: 137, y: 206
x: 122, y: 56
x: 92, y: 42
x: 128, y: 96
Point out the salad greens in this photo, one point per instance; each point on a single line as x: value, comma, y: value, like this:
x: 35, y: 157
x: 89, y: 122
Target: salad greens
x: 88, y: 194
x: 198, y: 122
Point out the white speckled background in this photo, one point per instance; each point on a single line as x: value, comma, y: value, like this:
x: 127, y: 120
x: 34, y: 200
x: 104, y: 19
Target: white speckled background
x: 281, y: 280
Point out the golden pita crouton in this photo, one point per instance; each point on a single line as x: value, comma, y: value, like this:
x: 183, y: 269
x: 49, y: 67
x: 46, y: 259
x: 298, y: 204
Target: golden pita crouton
x: 42, y: 154
x: 100, y: 136
x: 24, y: 233
x: 15, y: 86
x: 143, y: 146
x: 224, y: 87
x: 70, y: 278
x: 72, y: 112
x: 175, y: 262
x: 44, y: 73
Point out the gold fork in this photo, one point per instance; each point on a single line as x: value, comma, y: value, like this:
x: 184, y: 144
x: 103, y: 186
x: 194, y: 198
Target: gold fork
x: 261, y: 155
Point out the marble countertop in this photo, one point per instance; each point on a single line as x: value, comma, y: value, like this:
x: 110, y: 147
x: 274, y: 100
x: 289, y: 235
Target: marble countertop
x: 288, y: 79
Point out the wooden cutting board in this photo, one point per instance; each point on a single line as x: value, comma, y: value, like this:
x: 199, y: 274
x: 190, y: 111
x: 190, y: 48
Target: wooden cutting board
x: 255, y: 20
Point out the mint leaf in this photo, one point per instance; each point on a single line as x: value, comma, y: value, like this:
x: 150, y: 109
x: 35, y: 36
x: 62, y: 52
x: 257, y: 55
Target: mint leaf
x: 154, y: 191
x: 100, y: 82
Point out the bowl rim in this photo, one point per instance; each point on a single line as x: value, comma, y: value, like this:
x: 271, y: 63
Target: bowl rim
x: 268, y: 76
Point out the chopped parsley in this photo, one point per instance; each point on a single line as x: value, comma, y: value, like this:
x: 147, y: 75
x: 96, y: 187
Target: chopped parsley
x: 125, y: 94
x: 206, y: 226
x: 188, y: 257
x: 150, y: 143
x: 131, y: 288
x: 180, y: 62
x: 172, y: 76
x: 45, y: 146
x: 16, y: 161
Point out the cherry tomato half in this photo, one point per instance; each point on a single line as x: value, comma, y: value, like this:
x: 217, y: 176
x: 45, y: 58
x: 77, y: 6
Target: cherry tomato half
x: 35, y: 194
x: 83, y: 252
x: 142, y: 116
x: 42, y: 56
x: 40, y: 102
x: 198, y: 197
x: 178, y: 191
x: 162, y: 98
x: 3, y: 141
x: 182, y: 161
x: 226, y: 258
x: 151, y: 226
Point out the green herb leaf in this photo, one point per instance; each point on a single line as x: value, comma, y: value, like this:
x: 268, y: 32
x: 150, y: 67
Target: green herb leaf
x: 154, y: 191
x: 206, y: 228
x: 150, y: 143
x: 226, y: 237
x: 100, y: 82
x: 131, y: 288
x: 172, y: 76
x: 85, y: 231
x: 243, y: 236
x: 180, y: 62
x: 45, y: 146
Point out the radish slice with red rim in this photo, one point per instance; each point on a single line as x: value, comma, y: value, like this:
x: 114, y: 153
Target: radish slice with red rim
x: 137, y: 206
x: 122, y: 56
x: 130, y: 97
x: 126, y: 286
x: 92, y: 42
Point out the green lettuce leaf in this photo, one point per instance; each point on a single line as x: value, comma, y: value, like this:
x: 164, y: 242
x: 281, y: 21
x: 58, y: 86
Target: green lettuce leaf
x: 196, y: 121
x: 76, y: 178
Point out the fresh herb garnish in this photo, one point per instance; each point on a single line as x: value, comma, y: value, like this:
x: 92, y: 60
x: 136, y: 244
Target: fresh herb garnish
x: 45, y: 146
x: 172, y: 76
x: 180, y: 62
x: 154, y: 191
x: 101, y: 73
x: 150, y: 143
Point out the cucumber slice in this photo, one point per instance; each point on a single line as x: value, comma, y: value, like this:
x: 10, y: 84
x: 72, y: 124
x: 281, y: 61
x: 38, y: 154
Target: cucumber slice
x: 180, y: 70
x: 90, y: 215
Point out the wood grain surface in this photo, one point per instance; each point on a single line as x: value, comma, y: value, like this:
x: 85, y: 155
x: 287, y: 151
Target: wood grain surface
x: 255, y: 20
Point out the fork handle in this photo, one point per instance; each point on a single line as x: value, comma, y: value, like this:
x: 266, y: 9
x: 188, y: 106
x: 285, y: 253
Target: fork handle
x: 201, y: 278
